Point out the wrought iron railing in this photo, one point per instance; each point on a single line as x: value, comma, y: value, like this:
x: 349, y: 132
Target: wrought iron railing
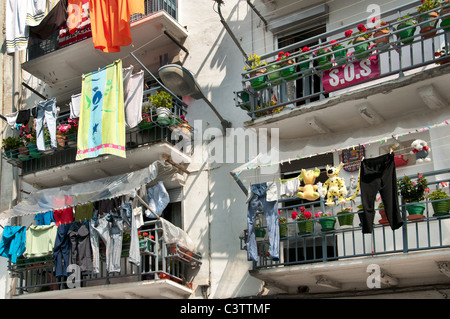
x: 39, y: 47
x: 159, y: 260
x: 319, y: 242
x: 148, y: 132
x: 316, y: 74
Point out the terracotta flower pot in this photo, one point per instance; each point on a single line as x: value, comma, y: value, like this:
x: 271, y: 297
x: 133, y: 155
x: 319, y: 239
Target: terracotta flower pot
x: 428, y: 29
x: 384, y: 40
x: 61, y: 140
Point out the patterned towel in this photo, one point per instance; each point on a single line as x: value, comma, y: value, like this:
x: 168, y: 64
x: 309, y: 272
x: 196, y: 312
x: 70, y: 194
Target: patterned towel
x: 102, y: 114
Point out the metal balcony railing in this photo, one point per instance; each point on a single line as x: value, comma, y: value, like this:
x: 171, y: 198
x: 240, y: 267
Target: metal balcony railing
x: 39, y: 47
x: 148, y: 132
x: 317, y: 74
x: 159, y: 260
x: 318, y: 242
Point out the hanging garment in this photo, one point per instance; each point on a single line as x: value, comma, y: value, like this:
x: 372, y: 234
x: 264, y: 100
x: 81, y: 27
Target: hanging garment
x: 47, y: 111
x: 109, y: 228
x: 265, y: 195
x: 106, y: 206
x: 40, y: 240
x: 52, y: 22
x: 110, y: 22
x: 133, y: 92
x: 78, y: 23
x: 129, y: 225
x: 102, y: 116
x: 63, y: 216
x: 44, y: 218
x: 159, y: 199
x: 11, y: 119
x: 13, y: 242
x: 378, y: 175
x: 62, y: 250
x: 289, y: 187
x: 75, y: 103
x: 20, y: 14
x: 81, y: 253
x: 84, y: 212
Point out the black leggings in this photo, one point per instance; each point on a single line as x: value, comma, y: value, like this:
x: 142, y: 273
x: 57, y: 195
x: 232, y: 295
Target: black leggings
x: 378, y: 174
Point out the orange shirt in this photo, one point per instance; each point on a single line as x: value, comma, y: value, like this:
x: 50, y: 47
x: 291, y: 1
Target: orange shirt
x: 110, y: 22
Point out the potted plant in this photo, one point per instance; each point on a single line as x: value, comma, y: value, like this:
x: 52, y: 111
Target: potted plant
x: 428, y: 17
x: 258, y: 83
x: 304, y: 59
x: 286, y: 64
x: 382, y: 212
x: 345, y: 216
x: 444, y: 54
x: 273, y: 73
x: 324, y: 58
x: 406, y: 29
x: 145, y: 242
x: 445, y: 15
x: 339, y: 51
x: 162, y: 101
x: 30, y: 140
x: 360, y: 41
x: 381, y: 34
x: 11, y: 146
x: 61, y: 134
x: 305, y: 220
x: 441, y: 202
x: 282, y: 221
x: 327, y: 221
x: 413, y: 193
x: 147, y: 109
x: 72, y: 132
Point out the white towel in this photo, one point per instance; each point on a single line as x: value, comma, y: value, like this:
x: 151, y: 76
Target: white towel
x: 75, y: 106
x: 133, y: 91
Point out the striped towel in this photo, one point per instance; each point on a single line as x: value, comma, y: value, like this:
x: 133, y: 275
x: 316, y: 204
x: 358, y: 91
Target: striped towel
x: 102, y: 113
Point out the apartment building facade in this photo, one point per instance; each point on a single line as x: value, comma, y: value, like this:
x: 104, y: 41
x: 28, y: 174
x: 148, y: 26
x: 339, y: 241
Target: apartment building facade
x: 317, y: 113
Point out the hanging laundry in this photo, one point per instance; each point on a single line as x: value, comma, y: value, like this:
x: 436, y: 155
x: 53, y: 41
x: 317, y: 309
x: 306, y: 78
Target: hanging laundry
x: 13, y: 242
x: 78, y: 26
x: 44, y: 218
x: 81, y: 253
x: 18, y: 16
x: 52, y: 22
x: 75, y: 103
x: 84, y: 212
x: 62, y: 250
x: 102, y: 115
x: 133, y: 92
x: 46, y: 110
x: 159, y: 199
x: 40, y: 240
x: 63, y: 216
x: 11, y: 119
x: 110, y: 22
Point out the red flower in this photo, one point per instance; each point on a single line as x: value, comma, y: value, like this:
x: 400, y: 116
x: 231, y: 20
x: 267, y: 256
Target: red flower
x: 307, y: 215
x: 373, y: 20
x: 294, y: 215
x: 279, y: 212
x: 361, y: 28
x: 305, y: 49
x: 281, y: 53
x: 145, y: 234
x: 152, y: 237
x: 348, y: 33
x: 302, y: 209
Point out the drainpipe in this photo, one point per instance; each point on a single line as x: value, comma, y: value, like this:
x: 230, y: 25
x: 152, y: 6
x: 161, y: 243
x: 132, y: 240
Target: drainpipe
x: 17, y: 98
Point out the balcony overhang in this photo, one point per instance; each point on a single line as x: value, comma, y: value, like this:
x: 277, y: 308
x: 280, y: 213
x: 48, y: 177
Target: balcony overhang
x: 419, y: 92
x: 156, y: 41
x: 163, y: 288
x: 108, y: 165
x: 398, y: 271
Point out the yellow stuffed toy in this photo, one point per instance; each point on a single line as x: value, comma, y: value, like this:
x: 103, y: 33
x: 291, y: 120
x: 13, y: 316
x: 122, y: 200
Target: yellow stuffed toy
x: 335, y: 186
x: 309, y: 191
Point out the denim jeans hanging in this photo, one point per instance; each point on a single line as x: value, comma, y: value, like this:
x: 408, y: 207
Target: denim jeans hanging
x: 265, y: 195
x: 46, y: 110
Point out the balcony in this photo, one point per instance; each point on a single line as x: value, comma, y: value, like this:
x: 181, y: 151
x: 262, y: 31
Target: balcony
x: 148, y: 135
x: 167, y: 269
x: 347, y: 81
x: 157, y: 40
x: 322, y: 259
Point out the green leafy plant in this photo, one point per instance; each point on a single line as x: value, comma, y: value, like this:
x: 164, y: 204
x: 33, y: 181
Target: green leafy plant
x: 161, y: 99
x: 428, y: 5
x: 407, y: 18
x: 412, y: 192
x: 438, y: 194
x: 12, y: 143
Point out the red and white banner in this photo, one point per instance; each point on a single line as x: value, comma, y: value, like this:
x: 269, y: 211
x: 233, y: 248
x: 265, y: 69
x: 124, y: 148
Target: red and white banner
x: 78, y: 26
x: 350, y: 74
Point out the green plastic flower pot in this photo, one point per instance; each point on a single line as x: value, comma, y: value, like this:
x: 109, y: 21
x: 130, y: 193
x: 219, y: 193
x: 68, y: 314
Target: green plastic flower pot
x: 441, y: 208
x: 406, y: 30
x: 272, y: 76
x: 327, y: 223
x: 340, y: 54
x: 283, y: 231
x: 305, y: 227
x: 415, y: 211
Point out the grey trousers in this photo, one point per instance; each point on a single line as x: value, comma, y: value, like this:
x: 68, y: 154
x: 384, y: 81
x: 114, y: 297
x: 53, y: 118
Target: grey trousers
x: 111, y: 233
x: 81, y: 253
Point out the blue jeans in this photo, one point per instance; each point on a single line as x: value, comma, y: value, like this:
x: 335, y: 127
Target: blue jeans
x: 61, y: 250
x: 265, y: 195
x: 46, y: 110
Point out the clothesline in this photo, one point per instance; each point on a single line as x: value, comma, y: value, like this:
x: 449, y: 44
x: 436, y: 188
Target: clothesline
x: 382, y: 140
